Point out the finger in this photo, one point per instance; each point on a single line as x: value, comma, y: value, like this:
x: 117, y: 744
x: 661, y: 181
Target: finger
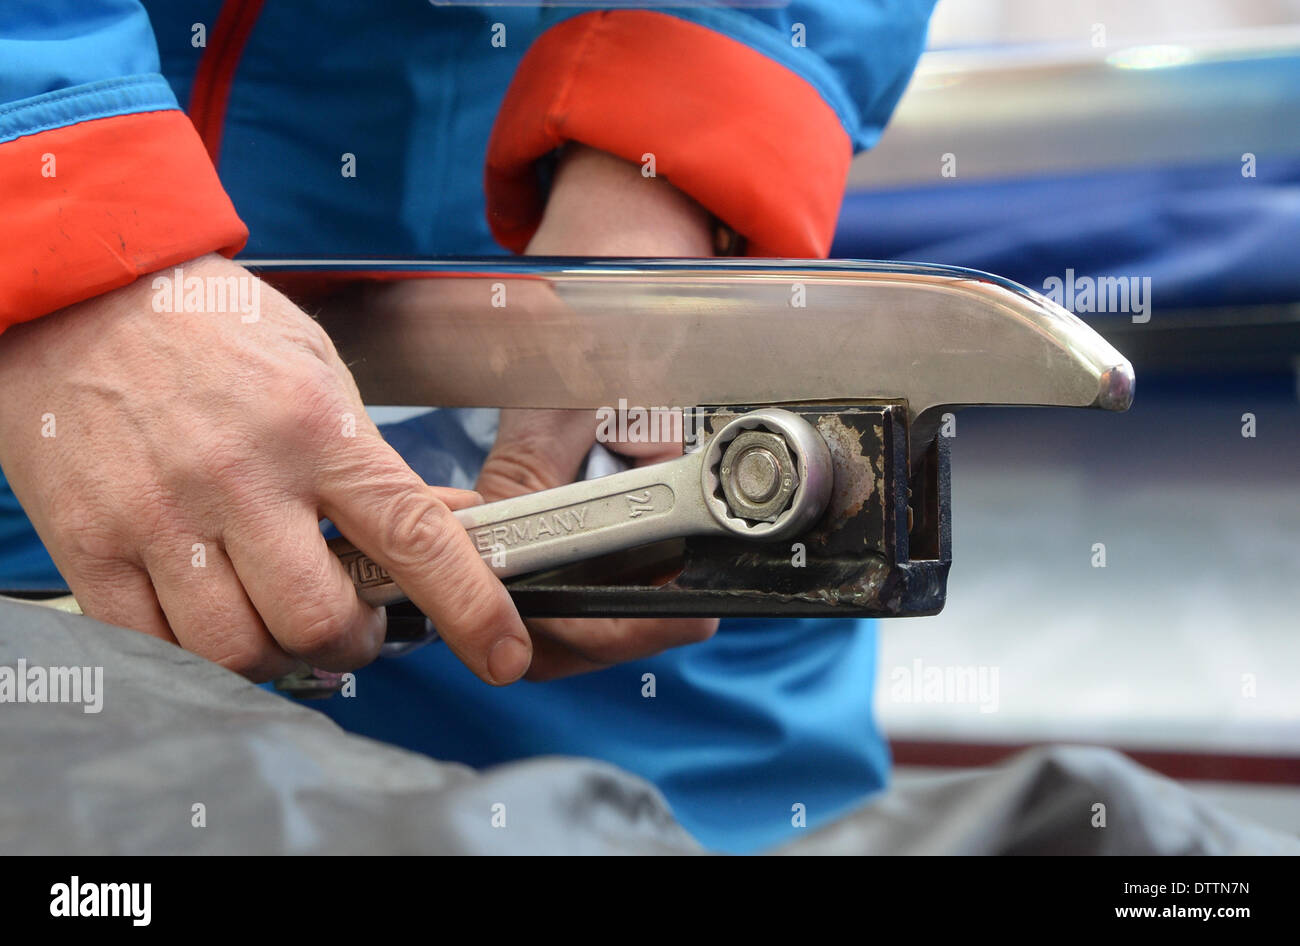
x: 209, y: 612
x: 121, y: 593
x: 652, y: 436
x: 536, y: 450
x: 394, y: 517
x: 553, y: 660
x: 605, y: 641
x: 457, y: 498
x: 647, y: 453
x: 303, y: 593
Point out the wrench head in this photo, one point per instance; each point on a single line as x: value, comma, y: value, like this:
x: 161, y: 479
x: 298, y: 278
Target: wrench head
x: 800, y: 492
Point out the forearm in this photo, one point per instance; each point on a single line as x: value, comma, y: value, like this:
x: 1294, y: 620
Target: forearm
x: 601, y: 205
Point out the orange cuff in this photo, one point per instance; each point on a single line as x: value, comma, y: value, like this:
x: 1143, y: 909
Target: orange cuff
x: 743, y: 135
x: 93, y: 206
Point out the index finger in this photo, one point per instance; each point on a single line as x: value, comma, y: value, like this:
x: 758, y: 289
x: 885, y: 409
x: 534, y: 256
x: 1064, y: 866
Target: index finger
x: 388, y: 512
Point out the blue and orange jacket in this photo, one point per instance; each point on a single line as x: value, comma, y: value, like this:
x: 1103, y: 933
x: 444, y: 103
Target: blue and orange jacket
x: 754, y: 112
x: 411, y: 128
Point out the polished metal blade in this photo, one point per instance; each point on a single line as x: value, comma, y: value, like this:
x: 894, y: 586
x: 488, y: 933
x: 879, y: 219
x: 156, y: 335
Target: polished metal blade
x: 547, y: 333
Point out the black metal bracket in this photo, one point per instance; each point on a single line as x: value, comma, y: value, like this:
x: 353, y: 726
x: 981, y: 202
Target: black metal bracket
x: 882, y: 549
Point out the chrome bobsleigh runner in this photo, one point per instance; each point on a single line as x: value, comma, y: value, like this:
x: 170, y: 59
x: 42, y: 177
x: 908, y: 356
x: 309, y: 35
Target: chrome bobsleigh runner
x: 817, y: 484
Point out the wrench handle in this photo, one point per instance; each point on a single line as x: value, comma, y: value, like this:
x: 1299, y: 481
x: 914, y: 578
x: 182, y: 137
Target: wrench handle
x: 562, y: 525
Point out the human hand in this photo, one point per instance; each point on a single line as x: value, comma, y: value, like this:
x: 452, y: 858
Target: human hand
x: 177, y: 464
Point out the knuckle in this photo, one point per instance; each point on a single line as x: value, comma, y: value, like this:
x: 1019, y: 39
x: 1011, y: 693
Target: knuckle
x: 524, y: 467
x: 418, y: 530
x: 308, y: 335
x: 95, y: 541
x: 245, y: 655
x: 237, y: 465
x: 154, y: 513
x: 209, y: 459
x: 424, y: 541
x: 88, y: 541
x: 320, y: 627
x: 308, y: 405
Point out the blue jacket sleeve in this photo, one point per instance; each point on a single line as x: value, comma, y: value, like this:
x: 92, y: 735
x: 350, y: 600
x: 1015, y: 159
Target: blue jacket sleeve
x: 64, y: 61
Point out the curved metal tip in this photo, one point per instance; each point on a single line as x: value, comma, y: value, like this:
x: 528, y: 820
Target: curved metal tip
x: 1115, y: 392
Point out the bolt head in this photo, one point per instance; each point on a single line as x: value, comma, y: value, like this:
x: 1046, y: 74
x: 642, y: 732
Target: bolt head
x: 758, y: 476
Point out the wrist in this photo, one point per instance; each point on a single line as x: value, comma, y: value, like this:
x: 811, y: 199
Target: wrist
x: 601, y: 205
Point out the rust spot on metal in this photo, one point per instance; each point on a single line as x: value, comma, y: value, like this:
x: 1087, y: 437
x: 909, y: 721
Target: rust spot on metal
x: 857, y: 478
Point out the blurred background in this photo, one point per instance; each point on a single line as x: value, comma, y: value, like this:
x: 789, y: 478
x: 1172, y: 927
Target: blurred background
x: 1134, y: 580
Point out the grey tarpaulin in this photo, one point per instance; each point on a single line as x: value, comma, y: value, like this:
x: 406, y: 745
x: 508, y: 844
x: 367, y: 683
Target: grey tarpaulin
x: 176, y: 731
x: 1043, y: 802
